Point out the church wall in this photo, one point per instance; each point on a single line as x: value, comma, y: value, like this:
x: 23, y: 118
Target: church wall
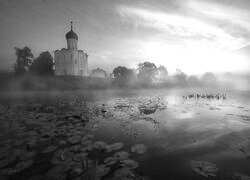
x: 83, y: 63
x: 59, y: 63
x: 71, y: 62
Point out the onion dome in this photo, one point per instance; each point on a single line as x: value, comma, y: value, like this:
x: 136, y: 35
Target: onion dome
x: 71, y: 34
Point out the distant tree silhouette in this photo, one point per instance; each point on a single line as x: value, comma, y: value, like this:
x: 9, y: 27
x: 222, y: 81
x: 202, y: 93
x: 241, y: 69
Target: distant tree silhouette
x: 146, y: 72
x: 43, y: 64
x: 209, y: 77
x: 99, y: 73
x: 180, y: 76
x: 23, y: 61
x: 193, y: 80
x: 161, y: 74
x: 124, y: 75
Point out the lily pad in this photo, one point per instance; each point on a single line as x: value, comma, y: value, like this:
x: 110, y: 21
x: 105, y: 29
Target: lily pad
x: 239, y: 176
x: 27, y: 155
x: 79, y: 157
x: 8, y: 171
x: 130, y: 163
x: 61, y: 157
x: 86, y: 142
x: 121, y: 155
x: 50, y: 149
x: 4, y: 163
x: 56, y: 173
x: 19, y: 142
x: 102, y: 170
x: 204, y: 168
x: 74, y: 140
x: 24, y: 165
x: 18, y: 152
x: 110, y: 160
x: 115, y: 146
x: 139, y: 148
x: 123, y: 172
x: 75, y: 148
x: 99, y: 145
x: 61, y: 143
x: 88, y: 136
x: 76, y: 172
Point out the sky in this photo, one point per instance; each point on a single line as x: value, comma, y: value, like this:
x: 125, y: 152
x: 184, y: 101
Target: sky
x: 195, y: 36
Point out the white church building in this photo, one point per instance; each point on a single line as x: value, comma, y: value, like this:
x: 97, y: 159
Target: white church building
x: 71, y: 61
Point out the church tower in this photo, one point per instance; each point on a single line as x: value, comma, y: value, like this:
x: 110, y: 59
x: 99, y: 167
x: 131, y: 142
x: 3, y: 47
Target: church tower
x: 71, y: 61
x: 72, y: 38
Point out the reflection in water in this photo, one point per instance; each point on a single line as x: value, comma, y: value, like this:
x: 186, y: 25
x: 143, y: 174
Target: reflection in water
x: 174, y: 130
x: 191, y: 129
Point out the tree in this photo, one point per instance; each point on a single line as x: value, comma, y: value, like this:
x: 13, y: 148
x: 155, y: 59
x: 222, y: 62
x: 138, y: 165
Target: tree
x: 124, y: 75
x: 161, y: 74
x: 146, y: 72
x: 43, y: 64
x: 180, y: 76
x: 99, y: 73
x: 193, y: 80
x: 209, y: 77
x: 24, y: 60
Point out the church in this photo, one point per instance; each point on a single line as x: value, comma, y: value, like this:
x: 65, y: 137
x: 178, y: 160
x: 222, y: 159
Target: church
x: 71, y: 61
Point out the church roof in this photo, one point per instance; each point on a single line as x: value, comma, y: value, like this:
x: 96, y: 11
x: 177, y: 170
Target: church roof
x: 71, y: 34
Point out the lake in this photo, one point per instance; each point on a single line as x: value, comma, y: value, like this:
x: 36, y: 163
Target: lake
x: 159, y: 130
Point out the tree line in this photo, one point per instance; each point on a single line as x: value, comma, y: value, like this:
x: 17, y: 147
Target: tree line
x: 146, y: 73
x: 26, y: 63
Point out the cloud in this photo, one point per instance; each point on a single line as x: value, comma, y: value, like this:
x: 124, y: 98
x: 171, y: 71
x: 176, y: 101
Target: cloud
x: 218, y: 32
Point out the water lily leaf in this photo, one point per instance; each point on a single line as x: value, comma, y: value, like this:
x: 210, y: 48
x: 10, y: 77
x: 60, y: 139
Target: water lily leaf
x: 87, y: 148
x: 24, y: 165
x: 74, y: 140
x: 121, y: 155
x: 61, y: 157
x: 86, y: 142
x: 56, y: 173
x: 60, y: 143
x: 79, y: 157
x: 239, y: 176
x: 75, y: 148
x: 102, y: 170
x: 204, y: 168
x: 139, y: 148
x: 115, y: 146
x: 76, y: 172
x: 8, y: 171
x: 110, y: 160
x: 123, y: 172
x: 89, y: 136
x: 4, y: 163
x: 18, y: 152
x: 19, y: 142
x: 130, y: 163
x: 50, y: 149
x: 27, y: 155
x: 99, y: 145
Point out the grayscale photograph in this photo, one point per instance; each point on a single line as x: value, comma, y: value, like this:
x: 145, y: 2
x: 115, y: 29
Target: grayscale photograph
x: 124, y: 90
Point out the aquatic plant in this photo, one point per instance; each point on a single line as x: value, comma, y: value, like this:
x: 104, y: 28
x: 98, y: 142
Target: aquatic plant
x: 203, y: 168
x: 139, y: 148
x: 89, y: 170
x: 243, y: 150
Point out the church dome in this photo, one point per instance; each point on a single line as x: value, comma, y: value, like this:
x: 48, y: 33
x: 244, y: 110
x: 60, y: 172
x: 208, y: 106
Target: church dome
x: 71, y: 34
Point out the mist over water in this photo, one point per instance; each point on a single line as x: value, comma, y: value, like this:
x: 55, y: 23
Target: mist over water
x: 124, y: 90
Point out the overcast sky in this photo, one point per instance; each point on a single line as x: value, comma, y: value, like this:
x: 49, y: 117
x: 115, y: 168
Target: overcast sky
x: 193, y: 35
